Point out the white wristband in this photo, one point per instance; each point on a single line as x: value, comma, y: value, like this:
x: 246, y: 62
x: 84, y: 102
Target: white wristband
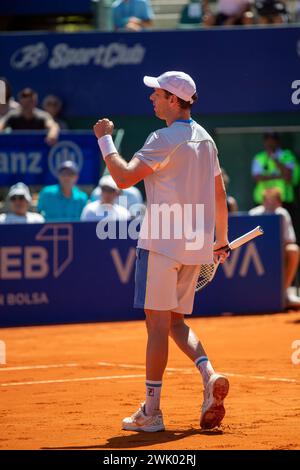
x: 106, y: 145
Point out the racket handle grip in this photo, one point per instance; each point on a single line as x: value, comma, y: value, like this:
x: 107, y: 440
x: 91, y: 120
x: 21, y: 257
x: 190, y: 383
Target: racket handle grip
x: 256, y: 232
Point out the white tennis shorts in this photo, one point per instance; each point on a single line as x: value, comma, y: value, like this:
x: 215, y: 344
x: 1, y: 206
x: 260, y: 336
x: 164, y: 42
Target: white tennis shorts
x: 162, y: 283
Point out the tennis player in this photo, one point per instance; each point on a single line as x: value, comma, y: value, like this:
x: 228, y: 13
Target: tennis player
x: 181, y: 172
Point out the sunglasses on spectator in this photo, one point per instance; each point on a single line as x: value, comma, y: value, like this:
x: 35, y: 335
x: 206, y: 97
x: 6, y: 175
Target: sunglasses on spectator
x: 26, y: 95
x: 17, y: 198
x: 108, y: 189
x: 66, y: 172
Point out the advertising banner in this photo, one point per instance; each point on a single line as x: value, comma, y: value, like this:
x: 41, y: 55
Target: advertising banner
x: 62, y: 273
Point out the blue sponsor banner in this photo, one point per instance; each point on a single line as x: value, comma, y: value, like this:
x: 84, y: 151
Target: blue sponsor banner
x: 26, y: 157
x: 61, y: 273
x: 239, y: 70
x: 36, y: 7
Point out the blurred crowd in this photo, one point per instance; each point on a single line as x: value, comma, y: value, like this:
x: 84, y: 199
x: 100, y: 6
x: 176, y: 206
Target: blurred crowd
x: 244, y: 12
x: 66, y: 202
x: 136, y: 15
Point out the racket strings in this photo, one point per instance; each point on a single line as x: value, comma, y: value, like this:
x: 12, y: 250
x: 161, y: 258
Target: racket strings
x: 205, y: 275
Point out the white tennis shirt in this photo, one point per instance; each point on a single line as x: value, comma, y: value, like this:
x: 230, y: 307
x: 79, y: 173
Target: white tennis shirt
x: 180, y: 216
x: 29, y: 218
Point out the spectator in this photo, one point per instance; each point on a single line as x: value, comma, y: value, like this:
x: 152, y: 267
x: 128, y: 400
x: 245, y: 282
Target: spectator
x: 19, y: 200
x: 271, y: 12
x: 126, y: 198
x: 272, y: 204
x: 232, y: 205
x: 10, y: 103
x: 192, y: 13
x: 63, y: 201
x: 106, y: 207
x: 29, y: 117
x: 132, y: 15
x: 275, y: 167
x: 229, y: 13
x: 53, y: 105
x: 297, y: 15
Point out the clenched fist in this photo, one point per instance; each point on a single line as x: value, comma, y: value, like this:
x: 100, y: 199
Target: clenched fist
x: 103, y: 127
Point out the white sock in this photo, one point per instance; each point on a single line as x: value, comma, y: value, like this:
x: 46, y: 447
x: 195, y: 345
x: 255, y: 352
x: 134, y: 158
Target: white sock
x: 153, y: 389
x: 206, y: 369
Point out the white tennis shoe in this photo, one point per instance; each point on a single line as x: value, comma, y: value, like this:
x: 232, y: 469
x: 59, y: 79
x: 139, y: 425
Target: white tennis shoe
x: 139, y: 421
x: 213, y: 410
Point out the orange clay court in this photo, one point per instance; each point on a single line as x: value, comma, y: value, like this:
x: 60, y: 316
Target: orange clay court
x: 69, y: 386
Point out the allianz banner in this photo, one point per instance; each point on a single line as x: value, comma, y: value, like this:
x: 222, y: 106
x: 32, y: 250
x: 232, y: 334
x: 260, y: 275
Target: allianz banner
x: 60, y: 273
x: 240, y: 70
x: 26, y: 157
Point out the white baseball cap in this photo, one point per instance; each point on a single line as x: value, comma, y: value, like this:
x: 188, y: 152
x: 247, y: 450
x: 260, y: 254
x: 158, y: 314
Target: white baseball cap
x: 19, y: 189
x: 109, y: 182
x: 177, y: 83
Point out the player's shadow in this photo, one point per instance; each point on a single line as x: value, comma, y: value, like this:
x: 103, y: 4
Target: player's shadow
x: 141, y: 439
x: 295, y: 322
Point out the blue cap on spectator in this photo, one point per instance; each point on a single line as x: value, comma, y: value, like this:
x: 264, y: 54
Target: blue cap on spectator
x: 70, y: 165
x: 19, y: 189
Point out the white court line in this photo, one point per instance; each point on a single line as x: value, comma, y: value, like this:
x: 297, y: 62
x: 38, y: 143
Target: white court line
x: 184, y: 370
x: 83, y: 379
x: 262, y: 377
x: 107, y: 364
x: 49, y: 366
x: 188, y: 370
x: 138, y: 366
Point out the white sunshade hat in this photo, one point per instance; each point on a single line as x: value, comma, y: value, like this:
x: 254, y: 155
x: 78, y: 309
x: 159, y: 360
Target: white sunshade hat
x: 19, y: 189
x: 177, y: 83
x: 109, y: 182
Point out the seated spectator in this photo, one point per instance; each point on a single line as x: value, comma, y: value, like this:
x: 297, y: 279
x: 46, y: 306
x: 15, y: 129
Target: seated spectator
x: 19, y: 199
x: 132, y: 15
x: 106, y: 208
x: 271, y: 12
x: 229, y: 13
x: 272, y: 204
x: 126, y: 198
x: 275, y: 167
x: 29, y: 117
x: 10, y: 103
x: 53, y: 105
x: 63, y: 201
x: 297, y: 16
x: 192, y: 13
x: 232, y: 205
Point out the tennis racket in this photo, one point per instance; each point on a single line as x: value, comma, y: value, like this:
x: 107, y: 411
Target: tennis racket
x: 208, y: 271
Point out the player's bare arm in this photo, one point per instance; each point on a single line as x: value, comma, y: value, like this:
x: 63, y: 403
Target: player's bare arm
x: 53, y: 132
x: 2, y: 124
x: 286, y: 172
x: 124, y: 173
x: 221, y: 218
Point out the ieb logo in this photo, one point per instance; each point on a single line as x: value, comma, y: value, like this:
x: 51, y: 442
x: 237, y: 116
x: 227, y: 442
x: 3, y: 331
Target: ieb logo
x: 34, y: 262
x: 62, y: 151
